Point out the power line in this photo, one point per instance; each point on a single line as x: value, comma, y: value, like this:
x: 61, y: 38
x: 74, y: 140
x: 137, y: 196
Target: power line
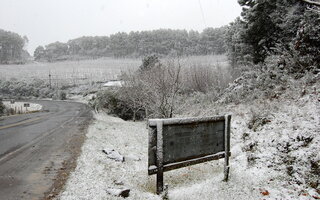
x: 204, y: 20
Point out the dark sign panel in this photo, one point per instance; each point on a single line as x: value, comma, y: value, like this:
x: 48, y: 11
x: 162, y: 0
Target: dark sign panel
x: 175, y: 143
x: 26, y: 105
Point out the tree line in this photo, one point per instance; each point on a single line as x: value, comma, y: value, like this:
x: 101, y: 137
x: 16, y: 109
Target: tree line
x: 12, y: 48
x: 162, y: 42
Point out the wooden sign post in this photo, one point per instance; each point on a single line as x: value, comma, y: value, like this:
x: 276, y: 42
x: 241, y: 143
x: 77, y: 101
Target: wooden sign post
x: 26, y: 105
x: 180, y: 142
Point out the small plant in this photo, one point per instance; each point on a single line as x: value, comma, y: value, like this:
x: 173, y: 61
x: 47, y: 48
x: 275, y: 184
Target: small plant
x: 250, y: 147
x: 62, y: 95
x: 259, y: 119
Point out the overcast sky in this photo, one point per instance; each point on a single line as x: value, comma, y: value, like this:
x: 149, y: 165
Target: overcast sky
x: 46, y: 21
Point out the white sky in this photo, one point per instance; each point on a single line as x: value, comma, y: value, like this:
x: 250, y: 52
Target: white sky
x: 46, y: 21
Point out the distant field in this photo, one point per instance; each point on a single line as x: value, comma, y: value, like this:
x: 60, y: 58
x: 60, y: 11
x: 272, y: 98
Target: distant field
x: 70, y: 71
x: 87, y: 71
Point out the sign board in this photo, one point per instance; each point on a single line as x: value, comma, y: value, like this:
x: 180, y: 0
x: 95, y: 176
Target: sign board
x: 26, y: 105
x: 180, y: 142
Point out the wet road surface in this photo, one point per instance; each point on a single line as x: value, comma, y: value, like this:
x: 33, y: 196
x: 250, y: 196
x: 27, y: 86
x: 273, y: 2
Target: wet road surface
x: 38, y: 150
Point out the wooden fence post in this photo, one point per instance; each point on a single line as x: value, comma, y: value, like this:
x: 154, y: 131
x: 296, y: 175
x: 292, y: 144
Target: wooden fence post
x: 159, y: 157
x: 227, y: 146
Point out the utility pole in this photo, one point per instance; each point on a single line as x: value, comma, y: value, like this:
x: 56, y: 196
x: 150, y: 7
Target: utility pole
x: 49, y: 79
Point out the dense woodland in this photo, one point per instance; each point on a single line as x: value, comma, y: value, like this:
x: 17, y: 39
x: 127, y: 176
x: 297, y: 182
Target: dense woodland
x: 137, y: 44
x: 289, y: 29
x: 12, y: 48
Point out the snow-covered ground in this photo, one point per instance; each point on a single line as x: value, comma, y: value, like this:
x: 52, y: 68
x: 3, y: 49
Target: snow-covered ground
x: 81, y: 98
x: 19, y: 107
x: 257, y: 168
x: 275, y: 154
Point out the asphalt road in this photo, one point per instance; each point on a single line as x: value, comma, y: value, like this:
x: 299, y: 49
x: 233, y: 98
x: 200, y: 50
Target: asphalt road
x: 38, y: 149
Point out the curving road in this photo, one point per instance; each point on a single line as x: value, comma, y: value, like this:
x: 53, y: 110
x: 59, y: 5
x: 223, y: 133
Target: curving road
x: 38, y: 150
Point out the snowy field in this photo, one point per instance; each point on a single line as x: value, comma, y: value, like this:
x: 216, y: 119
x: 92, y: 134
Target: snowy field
x: 19, y: 107
x: 70, y: 72
x: 88, y: 71
x: 263, y: 177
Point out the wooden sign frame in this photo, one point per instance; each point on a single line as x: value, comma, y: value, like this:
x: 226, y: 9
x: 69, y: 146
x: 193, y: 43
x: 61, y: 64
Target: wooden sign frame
x: 160, y: 130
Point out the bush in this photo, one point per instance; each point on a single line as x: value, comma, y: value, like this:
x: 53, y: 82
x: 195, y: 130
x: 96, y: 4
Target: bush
x: 2, y: 107
x: 62, y: 95
x: 34, y: 88
x: 113, y: 104
x: 261, y: 81
x: 154, y: 87
x: 205, y: 78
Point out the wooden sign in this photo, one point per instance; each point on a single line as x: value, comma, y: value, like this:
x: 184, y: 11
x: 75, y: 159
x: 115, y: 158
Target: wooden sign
x: 26, y: 105
x: 180, y: 142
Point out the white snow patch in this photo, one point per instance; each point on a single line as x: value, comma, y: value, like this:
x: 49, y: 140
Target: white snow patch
x: 113, y: 84
x: 19, y: 106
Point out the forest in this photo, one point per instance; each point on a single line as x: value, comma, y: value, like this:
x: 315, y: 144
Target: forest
x: 162, y: 42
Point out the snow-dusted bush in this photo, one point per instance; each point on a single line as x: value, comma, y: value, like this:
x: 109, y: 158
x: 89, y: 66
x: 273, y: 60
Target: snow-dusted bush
x: 153, y: 88
x: 62, y: 95
x: 2, y: 107
x: 111, y: 102
x: 35, y: 88
x: 205, y: 78
x: 261, y: 81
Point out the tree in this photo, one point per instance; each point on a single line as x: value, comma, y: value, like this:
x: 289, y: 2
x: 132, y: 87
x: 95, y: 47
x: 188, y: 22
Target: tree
x: 153, y: 88
x: 56, y: 51
x: 238, y: 51
x: 261, y: 31
x: 287, y: 28
x: 11, y: 47
x: 39, y: 53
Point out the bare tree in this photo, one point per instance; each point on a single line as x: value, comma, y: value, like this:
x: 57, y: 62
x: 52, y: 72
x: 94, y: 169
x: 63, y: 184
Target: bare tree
x: 153, y: 89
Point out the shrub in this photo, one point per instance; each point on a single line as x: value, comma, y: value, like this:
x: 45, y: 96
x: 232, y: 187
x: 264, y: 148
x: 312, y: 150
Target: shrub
x: 154, y: 87
x: 113, y: 104
x: 62, y: 95
x: 2, y: 107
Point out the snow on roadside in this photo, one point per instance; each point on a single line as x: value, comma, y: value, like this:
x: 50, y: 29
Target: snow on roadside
x: 95, y: 172
x: 19, y: 106
x: 81, y: 98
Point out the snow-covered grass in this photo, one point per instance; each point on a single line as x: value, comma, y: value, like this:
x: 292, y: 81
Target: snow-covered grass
x: 259, y: 169
x: 18, y: 107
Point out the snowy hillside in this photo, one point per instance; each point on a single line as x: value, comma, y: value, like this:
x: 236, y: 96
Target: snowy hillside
x: 275, y: 146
